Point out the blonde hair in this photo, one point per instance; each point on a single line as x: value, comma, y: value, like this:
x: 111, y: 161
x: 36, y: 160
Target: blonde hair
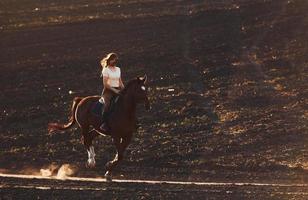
x: 107, y: 58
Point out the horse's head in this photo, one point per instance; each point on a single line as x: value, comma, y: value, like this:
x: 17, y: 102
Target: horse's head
x: 137, y: 87
x: 142, y: 91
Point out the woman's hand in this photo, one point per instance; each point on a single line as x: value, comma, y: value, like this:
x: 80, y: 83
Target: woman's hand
x: 116, y: 91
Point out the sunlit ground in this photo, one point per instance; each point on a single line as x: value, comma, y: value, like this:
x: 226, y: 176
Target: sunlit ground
x: 228, y: 87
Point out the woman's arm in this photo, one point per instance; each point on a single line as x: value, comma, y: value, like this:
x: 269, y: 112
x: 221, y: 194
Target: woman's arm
x: 121, y: 83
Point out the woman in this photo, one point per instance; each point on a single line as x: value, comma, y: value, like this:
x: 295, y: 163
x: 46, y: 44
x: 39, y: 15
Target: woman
x: 112, y: 82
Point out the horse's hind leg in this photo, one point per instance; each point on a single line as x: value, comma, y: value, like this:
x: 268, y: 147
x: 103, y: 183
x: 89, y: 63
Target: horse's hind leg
x: 87, y: 141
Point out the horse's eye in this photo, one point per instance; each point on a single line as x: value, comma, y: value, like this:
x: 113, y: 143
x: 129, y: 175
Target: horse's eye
x: 143, y: 88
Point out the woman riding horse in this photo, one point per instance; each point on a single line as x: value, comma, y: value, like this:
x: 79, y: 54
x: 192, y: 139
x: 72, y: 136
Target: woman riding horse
x: 121, y: 121
x: 112, y: 84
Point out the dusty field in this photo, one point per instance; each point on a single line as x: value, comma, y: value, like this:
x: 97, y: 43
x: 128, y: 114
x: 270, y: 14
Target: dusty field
x: 14, y: 187
x: 236, y: 111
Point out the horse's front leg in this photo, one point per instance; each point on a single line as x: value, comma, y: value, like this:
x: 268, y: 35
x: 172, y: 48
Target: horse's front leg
x: 121, y: 145
x: 88, y: 141
x: 91, y: 157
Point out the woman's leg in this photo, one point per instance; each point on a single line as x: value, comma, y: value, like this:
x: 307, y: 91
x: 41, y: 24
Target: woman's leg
x: 107, y: 98
x: 104, y: 126
x: 106, y: 106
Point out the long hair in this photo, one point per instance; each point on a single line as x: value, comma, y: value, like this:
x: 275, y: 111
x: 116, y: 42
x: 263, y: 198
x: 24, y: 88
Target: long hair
x: 107, y: 58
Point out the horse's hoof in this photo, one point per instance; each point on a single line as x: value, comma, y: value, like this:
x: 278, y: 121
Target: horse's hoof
x: 108, y: 176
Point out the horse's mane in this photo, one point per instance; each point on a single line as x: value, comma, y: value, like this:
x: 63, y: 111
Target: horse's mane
x: 127, y: 86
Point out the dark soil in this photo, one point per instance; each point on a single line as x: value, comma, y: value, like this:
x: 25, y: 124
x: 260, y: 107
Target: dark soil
x: 237, y: 70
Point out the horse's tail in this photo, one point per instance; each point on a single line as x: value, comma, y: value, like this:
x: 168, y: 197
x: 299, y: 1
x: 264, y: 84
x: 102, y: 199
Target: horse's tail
x: 57, y: 126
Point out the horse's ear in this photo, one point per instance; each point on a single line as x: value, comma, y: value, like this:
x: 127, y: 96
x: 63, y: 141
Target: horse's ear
x: 143, y: 79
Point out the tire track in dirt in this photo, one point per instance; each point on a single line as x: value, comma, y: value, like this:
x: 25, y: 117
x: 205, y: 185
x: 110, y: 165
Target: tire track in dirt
x: 73, y: 187
x: 103, y: 180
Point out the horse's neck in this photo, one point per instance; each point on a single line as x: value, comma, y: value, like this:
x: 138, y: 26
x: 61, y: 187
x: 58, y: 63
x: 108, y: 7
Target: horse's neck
x: 127, y: 105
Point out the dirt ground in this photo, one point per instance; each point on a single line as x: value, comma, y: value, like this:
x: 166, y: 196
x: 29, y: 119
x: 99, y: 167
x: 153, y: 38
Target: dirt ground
x: 81, y: 189
x: 228, y: 89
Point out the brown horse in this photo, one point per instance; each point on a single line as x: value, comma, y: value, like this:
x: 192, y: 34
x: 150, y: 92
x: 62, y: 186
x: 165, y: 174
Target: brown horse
x: 122, y: 120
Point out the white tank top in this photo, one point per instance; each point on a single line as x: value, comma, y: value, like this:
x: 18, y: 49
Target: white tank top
x: 113, y: 75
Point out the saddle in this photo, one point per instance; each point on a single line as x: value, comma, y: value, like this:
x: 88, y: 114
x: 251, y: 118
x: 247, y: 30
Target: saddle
x: 98, y: 107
